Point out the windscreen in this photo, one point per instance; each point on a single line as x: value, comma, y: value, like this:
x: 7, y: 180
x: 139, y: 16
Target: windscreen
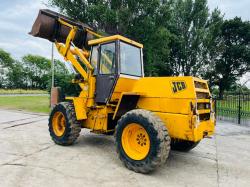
x: 130, y: 58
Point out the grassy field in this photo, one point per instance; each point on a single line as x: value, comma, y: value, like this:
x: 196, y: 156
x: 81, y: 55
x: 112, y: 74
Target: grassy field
x: 245, y: 105
x: 38, y: 104
x: 229, y: 108
x: 21, y: 91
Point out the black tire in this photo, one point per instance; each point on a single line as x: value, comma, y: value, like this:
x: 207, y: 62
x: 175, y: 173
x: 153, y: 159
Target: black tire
x: 159, y: 140
x: 183, y: 145
x: 110, y: 133
x: 72, y: 126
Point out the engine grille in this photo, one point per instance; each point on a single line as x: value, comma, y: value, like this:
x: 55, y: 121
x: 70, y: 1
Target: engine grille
x: 202, y: 95
x: 200, y: 85
x: 203, y: 100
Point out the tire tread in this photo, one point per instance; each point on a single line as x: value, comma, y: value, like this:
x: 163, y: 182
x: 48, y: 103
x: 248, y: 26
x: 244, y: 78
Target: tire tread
x: 74, y: 125
x: 162, y: 137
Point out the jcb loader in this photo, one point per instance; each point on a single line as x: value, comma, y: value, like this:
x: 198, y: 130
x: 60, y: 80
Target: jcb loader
x: 148, y: 115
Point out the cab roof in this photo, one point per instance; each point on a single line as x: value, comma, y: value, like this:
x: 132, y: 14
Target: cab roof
x: 113, y: 38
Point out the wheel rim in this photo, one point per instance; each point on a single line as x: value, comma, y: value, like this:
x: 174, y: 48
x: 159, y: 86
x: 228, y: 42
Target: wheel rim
x: 58, y: 123
x: 135, y: 141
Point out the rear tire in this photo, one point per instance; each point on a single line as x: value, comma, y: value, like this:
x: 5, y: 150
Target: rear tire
x: 131, y: 131
x: 63, y: 126
x: 183, y: 145
x: 109, y: 133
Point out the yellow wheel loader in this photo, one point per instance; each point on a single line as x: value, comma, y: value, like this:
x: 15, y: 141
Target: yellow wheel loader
x: 148, y: 115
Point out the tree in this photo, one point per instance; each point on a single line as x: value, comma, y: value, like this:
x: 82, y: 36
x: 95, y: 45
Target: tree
x: 138, y: 20
x: 34, y: 72
x: 38, y: 73
x: 214, y: 47
x: 11, y: 71
x: 5, y: 63
x: 37, y: 70
x: 189, y: 19
x: 15, y: 76
x: 5, y: 59
x: 63, y: 78
x: 180, y: 37
x: 233, y: 54
x: 173, y: 32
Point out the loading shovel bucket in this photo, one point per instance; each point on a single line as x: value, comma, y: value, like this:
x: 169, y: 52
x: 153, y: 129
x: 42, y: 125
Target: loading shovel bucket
x: 48, y: 27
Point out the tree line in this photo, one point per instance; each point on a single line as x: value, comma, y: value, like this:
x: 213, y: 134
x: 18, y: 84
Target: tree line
x: 33, y: 72
x: 180, y: 37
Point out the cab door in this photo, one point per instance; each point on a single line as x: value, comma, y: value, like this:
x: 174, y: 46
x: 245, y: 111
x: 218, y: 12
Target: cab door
x: 107, y: 72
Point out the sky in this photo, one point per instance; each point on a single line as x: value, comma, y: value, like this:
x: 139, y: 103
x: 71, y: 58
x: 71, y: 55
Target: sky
x: 16, y: 20
x: 17, y: 17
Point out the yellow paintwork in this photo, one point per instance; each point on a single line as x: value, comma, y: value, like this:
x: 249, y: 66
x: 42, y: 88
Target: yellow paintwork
x: 185, y: 127
x: 94, y: 33
x: 135, y: 141
x: 204, y: 126
x: 65, y: 23
x: 80, y: 107
x: 113, y: 38
x: 97, y: 118
x: 58, y: 124
x: 173, y: 99
x: 86, y: 97
x: 162, y: 87
x: 203, y: 100
x: 123, y: 85
x: 173, y: 108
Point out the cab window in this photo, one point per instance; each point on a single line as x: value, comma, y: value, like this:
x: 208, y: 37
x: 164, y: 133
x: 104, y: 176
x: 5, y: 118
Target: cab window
x: 107, y: 59
x: 131, y: 63
x: 94, y: 58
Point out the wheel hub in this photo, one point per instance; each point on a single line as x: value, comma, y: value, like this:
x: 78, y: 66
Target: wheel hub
x: 135, y: 141
x: 58, y: 123
x: 141, y: 140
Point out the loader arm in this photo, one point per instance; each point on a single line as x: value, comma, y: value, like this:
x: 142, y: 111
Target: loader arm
x: 69, y: 53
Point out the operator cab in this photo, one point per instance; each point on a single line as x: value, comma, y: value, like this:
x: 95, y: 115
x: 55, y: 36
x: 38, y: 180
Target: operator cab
x: 114, y: 57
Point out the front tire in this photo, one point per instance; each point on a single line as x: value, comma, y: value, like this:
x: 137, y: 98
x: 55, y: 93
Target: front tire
x: 63, y: 126
x: 142, y: 141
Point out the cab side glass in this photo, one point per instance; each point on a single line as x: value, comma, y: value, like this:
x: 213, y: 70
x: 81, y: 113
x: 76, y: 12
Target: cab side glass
x: 94, y: 58
x: 107, y: 59
x: 130, y: 58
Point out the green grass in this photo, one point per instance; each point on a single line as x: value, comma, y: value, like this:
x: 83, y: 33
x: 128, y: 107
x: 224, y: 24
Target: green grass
x: 229, y: 108
x: 22, y: 91
x: 38, y: 104
x: 245, y: 105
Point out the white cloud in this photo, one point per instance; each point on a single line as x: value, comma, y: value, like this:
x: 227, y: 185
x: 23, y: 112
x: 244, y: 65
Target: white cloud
x: 245, y: 80
x: 16, y: 20
x: 36, y: 46
x: 6, y: 26
x: 232, y: 8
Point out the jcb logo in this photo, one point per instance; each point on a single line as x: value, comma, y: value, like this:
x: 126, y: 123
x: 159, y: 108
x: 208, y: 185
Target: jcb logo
x: 178, y: 86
